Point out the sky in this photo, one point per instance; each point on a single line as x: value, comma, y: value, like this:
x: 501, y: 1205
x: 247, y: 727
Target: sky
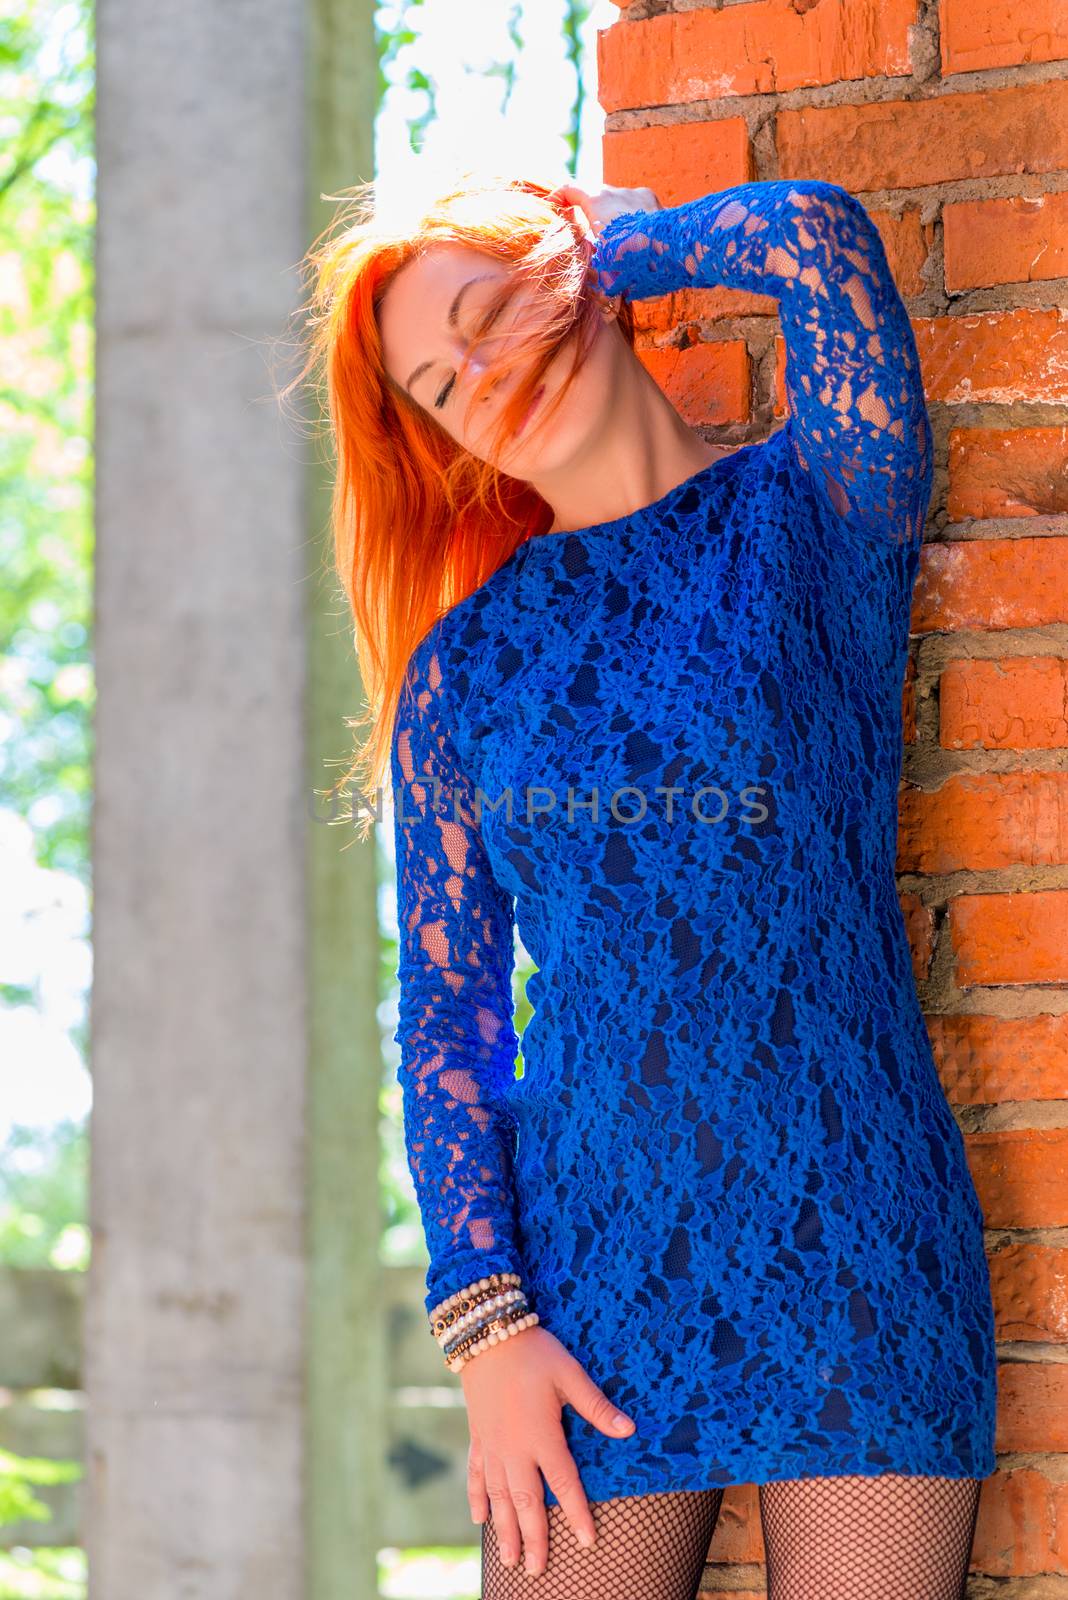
x: 520, y: 116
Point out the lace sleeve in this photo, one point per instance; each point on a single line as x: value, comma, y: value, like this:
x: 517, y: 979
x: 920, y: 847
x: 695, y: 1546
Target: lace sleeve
x: 859, y: 424
x: 456, y: 1034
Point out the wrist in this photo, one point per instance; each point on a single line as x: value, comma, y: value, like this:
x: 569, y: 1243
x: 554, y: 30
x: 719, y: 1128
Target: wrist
x: 483, y: 1313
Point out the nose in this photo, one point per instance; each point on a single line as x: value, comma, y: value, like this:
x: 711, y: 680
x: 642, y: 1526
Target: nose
x: 477, y: 362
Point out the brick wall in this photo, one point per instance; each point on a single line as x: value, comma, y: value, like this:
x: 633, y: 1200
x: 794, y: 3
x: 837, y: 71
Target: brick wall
x: 949, y: 121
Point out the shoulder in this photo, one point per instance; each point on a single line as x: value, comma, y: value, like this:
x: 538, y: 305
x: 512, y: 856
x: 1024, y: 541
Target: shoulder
x: 756, y: 456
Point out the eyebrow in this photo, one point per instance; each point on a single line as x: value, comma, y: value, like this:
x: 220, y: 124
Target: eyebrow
x: 454, y: 311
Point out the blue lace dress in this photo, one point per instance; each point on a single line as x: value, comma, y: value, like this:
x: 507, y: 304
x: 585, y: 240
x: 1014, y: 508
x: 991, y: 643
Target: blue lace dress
x: 727, y: 1173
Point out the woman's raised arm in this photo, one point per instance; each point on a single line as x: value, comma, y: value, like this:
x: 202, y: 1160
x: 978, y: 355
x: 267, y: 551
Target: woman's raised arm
x: 858, y: 418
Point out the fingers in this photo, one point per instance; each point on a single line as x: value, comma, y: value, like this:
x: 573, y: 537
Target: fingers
x: 477, y: 1498
x: 514, y: 1491
x: 579, y: 1390
x: 568, y: 194
x: 505, y: 1520
x: 561, y: 1474
x: 570, y: 197
x: 524, y: 1484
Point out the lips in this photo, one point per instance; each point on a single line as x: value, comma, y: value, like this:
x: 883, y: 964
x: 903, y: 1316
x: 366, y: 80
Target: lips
x: 533, y: 406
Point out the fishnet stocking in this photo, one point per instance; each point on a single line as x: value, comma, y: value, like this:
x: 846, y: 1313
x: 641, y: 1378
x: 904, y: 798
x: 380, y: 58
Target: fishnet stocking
x: 649, y: 1547
x: 890, y: 1537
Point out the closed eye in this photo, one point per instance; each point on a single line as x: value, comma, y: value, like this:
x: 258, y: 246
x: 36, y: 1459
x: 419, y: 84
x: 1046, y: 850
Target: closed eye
x: 483, y: 328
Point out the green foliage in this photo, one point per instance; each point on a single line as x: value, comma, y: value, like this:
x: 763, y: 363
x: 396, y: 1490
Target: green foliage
x: 43, y: 1183
x: 46, y: 222
x: 18, y: 1503
x: 403, y: 62
x: 576, y: 15
x: 57, y: 1574
x: 46, y: 355
x: 38, y: 1574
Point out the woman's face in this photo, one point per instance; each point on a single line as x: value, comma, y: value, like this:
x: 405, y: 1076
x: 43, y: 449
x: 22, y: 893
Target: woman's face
x: 435, y: 306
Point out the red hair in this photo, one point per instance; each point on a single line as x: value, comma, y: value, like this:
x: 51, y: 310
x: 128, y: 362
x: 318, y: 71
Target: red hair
x: 418, y: 522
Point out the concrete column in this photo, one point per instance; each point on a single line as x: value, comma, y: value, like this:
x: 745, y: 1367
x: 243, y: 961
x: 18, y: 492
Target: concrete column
x: 233, y: 1043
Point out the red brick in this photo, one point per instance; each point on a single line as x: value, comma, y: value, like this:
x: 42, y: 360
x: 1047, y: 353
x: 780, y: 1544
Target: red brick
x: 996, y: 356
x: 898, y: 144
x: 1021, y: 1179
x: 764, y: 47
x: 1010, y: 938
x: 919, y: 926
x: 991, y: 583
x: 1008, y: 239
x: 1029, y: 1284
x: 718, y: 1593
x: 907, y: 242
x: 1032, y: 1407
x: 983, y: 1059
x: 679, y: 160
x: 709, y: 382
x: 983, y: 822
x: 738, y: 1537
x: 1022, y: 1526
x: 908, y: 702
x: 978, y: 34
x: 1007, y: 472
x: 1016, y: 703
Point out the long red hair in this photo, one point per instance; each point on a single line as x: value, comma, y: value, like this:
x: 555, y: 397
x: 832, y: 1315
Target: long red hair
x: 418, y: 522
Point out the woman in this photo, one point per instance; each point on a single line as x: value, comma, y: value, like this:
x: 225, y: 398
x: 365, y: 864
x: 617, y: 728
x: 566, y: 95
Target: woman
x: 721, y: 1229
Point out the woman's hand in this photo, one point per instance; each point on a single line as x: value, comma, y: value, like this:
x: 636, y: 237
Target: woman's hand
x: 514, y: 1393
x: 600, y: 208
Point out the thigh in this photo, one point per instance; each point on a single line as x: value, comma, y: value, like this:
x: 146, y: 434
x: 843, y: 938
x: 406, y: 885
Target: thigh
x: 890, y: 1537
x: 649, y: 1547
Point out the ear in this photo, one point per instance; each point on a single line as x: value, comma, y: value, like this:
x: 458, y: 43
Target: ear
x: 607, y: 305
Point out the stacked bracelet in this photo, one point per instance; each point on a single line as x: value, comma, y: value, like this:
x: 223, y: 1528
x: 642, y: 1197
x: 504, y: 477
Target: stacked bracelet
x: 481, y: 1314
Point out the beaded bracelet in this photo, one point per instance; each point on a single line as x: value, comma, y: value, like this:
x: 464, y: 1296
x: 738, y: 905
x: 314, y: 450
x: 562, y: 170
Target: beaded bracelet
x: 481, y: 1314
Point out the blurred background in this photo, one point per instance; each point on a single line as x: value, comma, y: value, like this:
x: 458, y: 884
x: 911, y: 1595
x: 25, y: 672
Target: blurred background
x: 206, y: 148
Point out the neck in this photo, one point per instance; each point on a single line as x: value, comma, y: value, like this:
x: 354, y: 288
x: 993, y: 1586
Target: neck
x: 640, y: 455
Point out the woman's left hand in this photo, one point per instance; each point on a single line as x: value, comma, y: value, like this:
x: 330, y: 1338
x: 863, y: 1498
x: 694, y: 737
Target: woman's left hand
x: 600, y: 208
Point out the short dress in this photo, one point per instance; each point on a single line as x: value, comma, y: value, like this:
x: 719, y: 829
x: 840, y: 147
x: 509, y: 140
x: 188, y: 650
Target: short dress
x: 666, y: 749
